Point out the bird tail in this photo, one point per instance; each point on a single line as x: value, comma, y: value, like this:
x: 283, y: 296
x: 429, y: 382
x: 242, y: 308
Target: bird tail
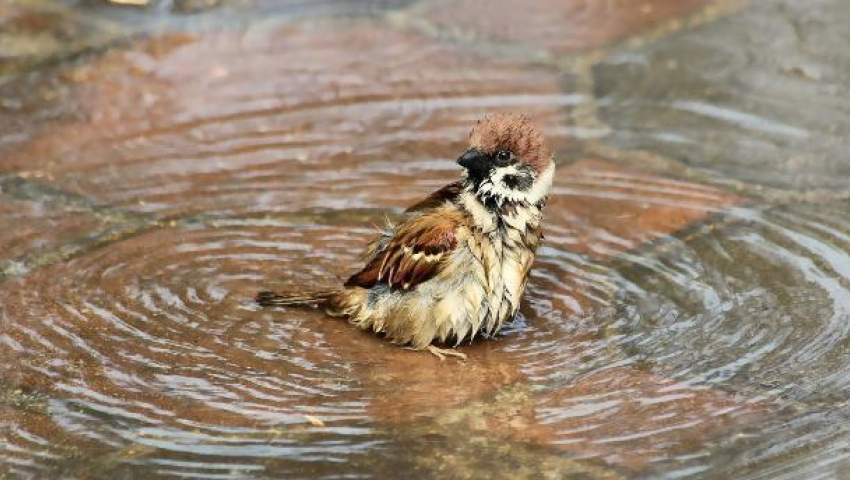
x: 293, y: 299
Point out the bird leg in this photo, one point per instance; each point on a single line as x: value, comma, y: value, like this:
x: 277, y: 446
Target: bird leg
x: 442, y: 352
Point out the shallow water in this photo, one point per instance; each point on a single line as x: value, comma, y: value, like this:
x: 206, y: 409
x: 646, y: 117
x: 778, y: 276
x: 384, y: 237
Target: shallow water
x: 687, y: 316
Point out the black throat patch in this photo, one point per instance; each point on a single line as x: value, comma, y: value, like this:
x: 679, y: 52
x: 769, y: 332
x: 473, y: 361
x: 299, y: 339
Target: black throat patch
x: 521, y: 182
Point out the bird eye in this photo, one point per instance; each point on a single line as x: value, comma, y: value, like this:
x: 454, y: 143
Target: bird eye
x: 503, y: 156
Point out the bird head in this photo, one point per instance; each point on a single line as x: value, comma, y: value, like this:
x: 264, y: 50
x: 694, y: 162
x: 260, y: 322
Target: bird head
x: 508, y: 160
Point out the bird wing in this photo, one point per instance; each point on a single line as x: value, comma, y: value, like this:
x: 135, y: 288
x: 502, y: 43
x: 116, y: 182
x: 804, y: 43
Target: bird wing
x: 415, y: 252
x: 438, y: 198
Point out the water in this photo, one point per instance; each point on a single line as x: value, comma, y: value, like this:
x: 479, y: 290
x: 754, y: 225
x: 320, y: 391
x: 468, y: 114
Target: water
x: 685, y: 318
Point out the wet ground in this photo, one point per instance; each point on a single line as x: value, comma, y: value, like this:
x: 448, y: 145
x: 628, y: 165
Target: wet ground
x: 688, y: 317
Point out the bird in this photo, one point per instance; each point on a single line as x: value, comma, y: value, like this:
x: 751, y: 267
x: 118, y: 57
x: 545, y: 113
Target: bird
x: 455, y: 265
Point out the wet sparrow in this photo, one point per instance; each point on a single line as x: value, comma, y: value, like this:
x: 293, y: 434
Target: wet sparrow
x: 455, y: 266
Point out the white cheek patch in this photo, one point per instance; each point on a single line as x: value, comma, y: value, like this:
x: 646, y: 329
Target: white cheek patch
x: 542, y: 185
x: 496, y: 188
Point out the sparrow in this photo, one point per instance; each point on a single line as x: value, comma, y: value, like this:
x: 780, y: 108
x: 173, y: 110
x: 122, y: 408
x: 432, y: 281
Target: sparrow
x: 456, y: 264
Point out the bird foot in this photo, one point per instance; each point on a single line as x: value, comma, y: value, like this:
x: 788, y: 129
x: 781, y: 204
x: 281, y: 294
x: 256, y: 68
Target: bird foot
x: 442, y: 352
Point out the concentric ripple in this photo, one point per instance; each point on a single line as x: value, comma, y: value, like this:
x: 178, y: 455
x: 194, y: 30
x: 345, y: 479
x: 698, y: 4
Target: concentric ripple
x: 152, y: 353
x: 758, y: 305
x: 668, y: 327
x: 156, y: 344
x: 763, y: 301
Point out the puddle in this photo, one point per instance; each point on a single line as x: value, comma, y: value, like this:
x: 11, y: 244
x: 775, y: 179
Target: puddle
x: 671, y: 328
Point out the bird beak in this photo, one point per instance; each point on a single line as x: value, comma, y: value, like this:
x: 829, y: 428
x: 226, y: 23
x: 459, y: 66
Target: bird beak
x: 473, y: 160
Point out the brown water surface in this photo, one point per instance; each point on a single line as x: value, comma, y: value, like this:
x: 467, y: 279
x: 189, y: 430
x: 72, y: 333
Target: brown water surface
x: 681, y: 320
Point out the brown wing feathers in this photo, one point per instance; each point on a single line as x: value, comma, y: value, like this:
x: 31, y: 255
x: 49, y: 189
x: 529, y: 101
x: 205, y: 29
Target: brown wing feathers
x: 438, y: 198
x: 413, y: 255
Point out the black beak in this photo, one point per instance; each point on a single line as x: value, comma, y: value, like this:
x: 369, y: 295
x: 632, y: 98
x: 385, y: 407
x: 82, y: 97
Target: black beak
x: 473, y: 160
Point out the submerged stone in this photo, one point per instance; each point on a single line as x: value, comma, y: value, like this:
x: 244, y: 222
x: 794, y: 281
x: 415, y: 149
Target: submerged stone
x: 761, y: 96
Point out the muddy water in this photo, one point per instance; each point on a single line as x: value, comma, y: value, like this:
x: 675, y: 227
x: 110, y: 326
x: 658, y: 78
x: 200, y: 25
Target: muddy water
x: 671, y: 327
